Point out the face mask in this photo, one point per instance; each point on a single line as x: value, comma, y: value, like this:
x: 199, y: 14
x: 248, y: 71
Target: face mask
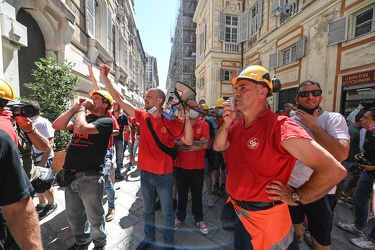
x: 220, y: 112
x: 152, y: 110
x: 292, y: 113
x: 309, y: 111
x: 193, y: 114
x: 369, y: 128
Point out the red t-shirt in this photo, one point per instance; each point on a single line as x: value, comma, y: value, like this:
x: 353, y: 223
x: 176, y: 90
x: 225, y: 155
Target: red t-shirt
x: 255, y: 156
x: 7, y: 126
x: 194, y: 159
x: 150, y: 157
x: 115, y: 127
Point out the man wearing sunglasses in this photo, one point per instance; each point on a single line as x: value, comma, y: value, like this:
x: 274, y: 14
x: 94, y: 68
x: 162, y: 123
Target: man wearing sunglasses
x: 260, y: 150
x: 329, y: 129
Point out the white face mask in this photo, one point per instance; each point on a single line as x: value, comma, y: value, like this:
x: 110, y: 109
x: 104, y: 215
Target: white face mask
x: 193, y: 114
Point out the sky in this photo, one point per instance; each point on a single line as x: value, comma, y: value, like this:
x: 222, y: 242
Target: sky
x: 155, y: 22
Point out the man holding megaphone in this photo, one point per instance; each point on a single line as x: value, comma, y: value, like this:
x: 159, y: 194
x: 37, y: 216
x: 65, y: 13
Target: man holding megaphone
x: 154, y: 161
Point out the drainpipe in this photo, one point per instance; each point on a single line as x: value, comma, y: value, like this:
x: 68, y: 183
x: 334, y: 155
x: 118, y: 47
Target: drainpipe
x: 243, y: 9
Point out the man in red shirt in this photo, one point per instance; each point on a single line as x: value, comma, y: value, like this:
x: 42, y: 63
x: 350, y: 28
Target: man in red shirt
x: 156, y: 165
x: 260, y: 151
x: 189, y: 170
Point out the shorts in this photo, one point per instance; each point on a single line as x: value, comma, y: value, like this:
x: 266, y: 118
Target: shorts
x: 319, y: 216
x: 218, y: 161
x: 40, y: 185
x: 207, y: 168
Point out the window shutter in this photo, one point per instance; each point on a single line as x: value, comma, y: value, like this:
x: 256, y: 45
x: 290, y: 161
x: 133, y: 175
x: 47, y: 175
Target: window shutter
x: 90, y: 18
x: 125, y: 55
x: 222, y: 74
x: 274, y: 7
x: 117, y: 45
x: 273, y: 61
x: 337, y: 31
x: 244, y: 27
x: 222, y: 17
x: 204, y: 38
x: 300, y: 47
x: 260, y: 14
x: 109, y: 31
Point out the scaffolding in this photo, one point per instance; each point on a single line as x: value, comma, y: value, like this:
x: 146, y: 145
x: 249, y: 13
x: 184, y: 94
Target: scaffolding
x: 182, y: 58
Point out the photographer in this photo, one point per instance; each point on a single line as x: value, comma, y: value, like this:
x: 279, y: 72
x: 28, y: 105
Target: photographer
x: 363, y: 190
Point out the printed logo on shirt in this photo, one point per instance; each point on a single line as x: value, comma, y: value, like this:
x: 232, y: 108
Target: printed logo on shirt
x: 164, y: 130
x: 199, y: 131
x: 253, y: 143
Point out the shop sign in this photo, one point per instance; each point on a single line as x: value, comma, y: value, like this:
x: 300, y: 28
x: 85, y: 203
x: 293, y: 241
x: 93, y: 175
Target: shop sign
x: 359, y: 78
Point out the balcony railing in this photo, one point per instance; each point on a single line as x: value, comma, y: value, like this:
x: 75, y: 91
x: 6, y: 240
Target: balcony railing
x: 231, y: 47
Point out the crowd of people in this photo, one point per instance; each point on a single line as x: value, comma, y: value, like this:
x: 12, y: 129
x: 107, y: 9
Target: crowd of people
x: 276, y: 168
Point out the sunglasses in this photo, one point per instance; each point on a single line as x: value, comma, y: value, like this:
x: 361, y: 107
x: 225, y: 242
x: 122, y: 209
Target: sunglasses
x: 317, y: 92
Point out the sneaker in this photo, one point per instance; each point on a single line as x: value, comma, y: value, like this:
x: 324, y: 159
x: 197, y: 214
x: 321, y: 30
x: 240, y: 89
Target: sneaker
x: 110, y: 215
x: 210, y: 201
x: 307, y: 237
x: 350, y: 227
x: 215, y: 188
x: 202, y: 227
x: 39, y: 208
x: 48, y: 209
x: 119, y: 177
x: 177, y: 224
x: 221, y: 191
x: 344, y: 203
x: 80, y: 247
x: 362, y: 242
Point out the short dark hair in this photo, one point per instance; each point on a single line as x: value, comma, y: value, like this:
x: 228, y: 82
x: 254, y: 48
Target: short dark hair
x: 306, y: 83
x: 358, y: 116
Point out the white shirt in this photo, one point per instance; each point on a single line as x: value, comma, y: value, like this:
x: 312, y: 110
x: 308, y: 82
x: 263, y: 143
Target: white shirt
x: 335, y: 125
x: 44, y: 126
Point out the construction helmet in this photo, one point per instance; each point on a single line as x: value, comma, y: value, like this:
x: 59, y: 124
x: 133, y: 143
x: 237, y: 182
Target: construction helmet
x: 205, y: 106
x: 259, y: 75
x: 104, y: 94
x: 6, y: 91
x: 219, y: 102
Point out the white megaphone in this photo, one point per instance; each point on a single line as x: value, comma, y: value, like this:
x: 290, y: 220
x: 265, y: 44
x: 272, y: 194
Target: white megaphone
x: 183, y: 93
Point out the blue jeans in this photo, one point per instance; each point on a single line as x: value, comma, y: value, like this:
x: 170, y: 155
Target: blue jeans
x: 119, y: 147
x: 111, y: 193
x: 84, y: 209
x: 163, y: 186
x: 362, y: 197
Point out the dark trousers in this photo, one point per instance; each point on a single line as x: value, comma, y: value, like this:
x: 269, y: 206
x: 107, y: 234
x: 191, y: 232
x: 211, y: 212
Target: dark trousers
x: 193, y: 180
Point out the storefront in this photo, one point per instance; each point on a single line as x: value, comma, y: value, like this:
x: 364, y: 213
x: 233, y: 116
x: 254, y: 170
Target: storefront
x: 357, y: 87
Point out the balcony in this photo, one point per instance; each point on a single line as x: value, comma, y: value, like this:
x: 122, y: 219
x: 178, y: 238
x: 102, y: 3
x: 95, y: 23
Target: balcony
x: 231, y: 47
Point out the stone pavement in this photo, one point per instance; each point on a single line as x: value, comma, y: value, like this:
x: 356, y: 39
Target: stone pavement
x: 126, y: 230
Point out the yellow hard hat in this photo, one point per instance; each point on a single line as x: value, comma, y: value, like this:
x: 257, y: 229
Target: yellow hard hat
x: 219, y: 102
x: 205, y: 106
x: 258, y: 74
x: 6, y: 91
x: 105, y: 94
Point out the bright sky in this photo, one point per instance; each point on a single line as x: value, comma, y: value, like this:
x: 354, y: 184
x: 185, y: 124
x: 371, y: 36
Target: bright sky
x: 155, y: 22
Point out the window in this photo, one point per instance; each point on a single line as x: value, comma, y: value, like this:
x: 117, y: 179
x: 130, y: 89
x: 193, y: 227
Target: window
x: 364, y: 22
x: 289, y: 54
x: 254, y: 19
x: 231, y: 23
x: 225, y: 74
x: 125, y: 55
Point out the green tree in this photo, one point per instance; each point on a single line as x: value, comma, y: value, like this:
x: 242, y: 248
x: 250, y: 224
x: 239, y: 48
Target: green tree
x: 54, y: 88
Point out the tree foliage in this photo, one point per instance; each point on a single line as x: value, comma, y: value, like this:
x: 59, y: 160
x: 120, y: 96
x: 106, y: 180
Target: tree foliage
x: 54, y: 88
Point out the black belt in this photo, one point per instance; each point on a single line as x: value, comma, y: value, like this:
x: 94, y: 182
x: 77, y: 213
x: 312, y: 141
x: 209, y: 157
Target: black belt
x: 254, y: 206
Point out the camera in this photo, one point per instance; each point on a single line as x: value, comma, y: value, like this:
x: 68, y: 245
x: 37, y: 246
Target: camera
x: 26, y: 110
x: 361, y: 160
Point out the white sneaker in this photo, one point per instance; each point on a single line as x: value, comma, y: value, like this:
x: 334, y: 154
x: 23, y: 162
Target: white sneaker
x: 202, y: 226
x: 363, y: 242
x: 210, y: 201
x: 350, y: 227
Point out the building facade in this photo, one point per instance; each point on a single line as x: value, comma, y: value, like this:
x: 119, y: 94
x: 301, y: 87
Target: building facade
x: 81, y: 31
x: 182, y: 58
x: 328, y: 41
x: 152, y: 78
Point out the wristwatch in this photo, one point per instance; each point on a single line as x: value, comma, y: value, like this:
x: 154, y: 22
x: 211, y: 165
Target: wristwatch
x: 296, y: 197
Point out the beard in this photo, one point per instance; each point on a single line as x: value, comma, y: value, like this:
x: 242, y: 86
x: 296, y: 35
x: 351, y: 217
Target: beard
x: 307, y: 110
